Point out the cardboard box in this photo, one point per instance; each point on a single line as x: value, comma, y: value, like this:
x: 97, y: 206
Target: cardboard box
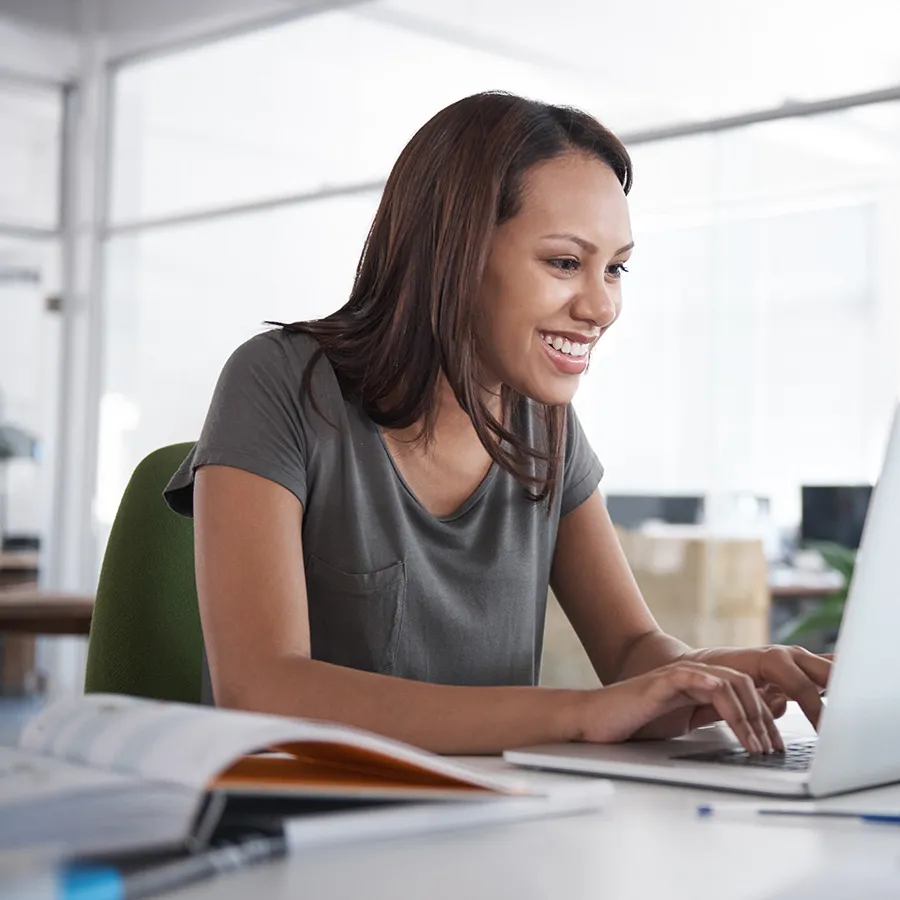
x: 706, y: 591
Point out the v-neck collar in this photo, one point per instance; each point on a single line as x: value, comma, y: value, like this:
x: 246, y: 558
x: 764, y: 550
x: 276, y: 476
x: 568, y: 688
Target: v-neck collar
x: 462, y: 509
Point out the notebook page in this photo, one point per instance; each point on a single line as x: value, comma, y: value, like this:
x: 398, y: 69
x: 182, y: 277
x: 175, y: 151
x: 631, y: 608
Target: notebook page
x: 45, y: 801
x: 25, y: 777
x: 189, y: 744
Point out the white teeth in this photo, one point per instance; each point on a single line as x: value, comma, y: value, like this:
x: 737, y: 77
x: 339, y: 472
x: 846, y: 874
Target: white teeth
x: 570, y: 348
x: 563, y: 345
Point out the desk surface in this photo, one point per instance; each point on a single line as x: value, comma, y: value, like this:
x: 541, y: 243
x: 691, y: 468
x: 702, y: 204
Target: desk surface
x: 646, y: 844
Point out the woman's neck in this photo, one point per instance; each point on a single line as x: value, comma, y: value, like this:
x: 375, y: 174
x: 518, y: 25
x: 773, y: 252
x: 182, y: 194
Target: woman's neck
x: 443, y: 472
x: 452, y: 423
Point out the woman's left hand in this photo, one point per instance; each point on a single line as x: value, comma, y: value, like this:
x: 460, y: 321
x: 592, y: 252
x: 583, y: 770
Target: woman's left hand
x: 781, y: 673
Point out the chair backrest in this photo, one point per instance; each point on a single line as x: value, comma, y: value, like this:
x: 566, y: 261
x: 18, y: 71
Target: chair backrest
x: 145, y: 633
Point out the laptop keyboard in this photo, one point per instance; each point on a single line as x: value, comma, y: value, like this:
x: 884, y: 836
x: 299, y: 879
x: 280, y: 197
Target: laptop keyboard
x: 797, y: 757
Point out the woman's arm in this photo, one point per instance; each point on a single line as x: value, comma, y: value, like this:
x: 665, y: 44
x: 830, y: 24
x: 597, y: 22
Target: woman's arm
x: 595, y: 587
x: 253, y: 605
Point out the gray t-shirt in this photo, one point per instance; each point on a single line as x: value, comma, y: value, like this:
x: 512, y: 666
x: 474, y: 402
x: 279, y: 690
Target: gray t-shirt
x: 391, y: 588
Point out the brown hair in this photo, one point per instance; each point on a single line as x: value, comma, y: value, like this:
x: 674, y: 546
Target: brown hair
x: 412, y: 311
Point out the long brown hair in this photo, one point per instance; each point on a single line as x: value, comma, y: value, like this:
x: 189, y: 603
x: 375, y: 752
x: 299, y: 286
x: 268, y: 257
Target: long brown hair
x: 413, y: 309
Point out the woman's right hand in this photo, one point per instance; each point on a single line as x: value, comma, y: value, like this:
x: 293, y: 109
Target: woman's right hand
x: 676, y: 698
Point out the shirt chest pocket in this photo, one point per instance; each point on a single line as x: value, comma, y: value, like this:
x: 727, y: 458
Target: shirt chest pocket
x: 355, y: 619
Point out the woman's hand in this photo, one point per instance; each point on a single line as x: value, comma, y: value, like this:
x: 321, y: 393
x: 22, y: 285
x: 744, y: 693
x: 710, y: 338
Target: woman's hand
x: 673, y: 699
x: 790, y: 673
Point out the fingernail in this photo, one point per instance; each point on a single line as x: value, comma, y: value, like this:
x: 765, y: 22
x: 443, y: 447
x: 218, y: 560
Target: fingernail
x: 755, y: 746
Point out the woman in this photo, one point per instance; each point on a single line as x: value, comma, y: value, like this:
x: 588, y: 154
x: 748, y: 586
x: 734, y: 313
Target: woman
x: 381, y: 497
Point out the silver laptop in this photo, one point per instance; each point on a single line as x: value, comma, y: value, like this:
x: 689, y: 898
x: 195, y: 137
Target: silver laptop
x: 858, y: 744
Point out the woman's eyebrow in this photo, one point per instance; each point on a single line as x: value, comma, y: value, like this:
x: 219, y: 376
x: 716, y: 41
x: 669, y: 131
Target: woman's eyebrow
x: 586, y: 244
x: 582, y: 242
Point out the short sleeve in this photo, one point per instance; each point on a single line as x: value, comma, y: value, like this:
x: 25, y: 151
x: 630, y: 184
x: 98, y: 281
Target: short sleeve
x: 583, y: 470
x: 254, y: 422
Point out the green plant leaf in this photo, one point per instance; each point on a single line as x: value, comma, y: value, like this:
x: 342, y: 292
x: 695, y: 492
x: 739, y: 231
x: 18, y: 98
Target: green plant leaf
x: 827, y: 617
x: 841, y: 559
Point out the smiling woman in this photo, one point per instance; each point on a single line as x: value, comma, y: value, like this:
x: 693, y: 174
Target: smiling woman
x: 383, y: 496
x: 464, y: 267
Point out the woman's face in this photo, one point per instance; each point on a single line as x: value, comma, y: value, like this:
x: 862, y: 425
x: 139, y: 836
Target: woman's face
x: 552, y: 285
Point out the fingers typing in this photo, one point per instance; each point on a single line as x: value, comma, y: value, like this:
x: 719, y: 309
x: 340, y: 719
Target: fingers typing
x: 801, y: 675
x: 734, y: 697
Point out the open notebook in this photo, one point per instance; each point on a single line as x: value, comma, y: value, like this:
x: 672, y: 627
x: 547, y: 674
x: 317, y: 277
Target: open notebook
x: 109, y: 773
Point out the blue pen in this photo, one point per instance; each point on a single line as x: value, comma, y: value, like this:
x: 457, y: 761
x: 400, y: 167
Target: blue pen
x: 90, y: 883
x: 738, y: 811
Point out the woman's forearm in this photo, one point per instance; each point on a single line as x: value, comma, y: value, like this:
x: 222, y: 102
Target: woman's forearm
x: 440, y: 718
x: 648, y: 652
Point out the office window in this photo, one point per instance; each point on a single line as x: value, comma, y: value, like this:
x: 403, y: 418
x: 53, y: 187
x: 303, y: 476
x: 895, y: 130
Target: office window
x: 30, y: 125
x: 29, y: 383
x: 181, y: 299
x: 756, y: 350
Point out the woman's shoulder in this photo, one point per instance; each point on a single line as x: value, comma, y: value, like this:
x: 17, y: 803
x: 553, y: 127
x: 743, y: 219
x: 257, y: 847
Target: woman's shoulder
x: 274, y: 366
x: 282, y: 357
x: 277, y: 346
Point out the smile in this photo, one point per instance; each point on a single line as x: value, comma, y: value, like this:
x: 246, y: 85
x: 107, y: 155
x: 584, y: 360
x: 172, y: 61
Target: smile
x: 564, y: 345
x: 570, y: 358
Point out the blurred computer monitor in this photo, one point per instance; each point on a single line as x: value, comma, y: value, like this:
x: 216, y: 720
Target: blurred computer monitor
x: 633, y: 510
x: 834, y: 513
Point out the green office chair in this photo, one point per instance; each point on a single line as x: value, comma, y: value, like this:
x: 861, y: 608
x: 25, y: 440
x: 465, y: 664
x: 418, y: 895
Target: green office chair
x: 145, y: 633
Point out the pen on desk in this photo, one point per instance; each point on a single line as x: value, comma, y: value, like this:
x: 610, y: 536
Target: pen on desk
x: 108, y: 883
x: 739, y: 811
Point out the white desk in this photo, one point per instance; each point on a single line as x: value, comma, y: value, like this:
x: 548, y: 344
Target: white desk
x: 647, y: 843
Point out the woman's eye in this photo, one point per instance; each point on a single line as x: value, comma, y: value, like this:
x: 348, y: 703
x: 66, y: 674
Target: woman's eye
x: 565, y: 264
x: 617, y: 270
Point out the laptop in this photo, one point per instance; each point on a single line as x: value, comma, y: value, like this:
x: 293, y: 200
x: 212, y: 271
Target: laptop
x: 858, y: 744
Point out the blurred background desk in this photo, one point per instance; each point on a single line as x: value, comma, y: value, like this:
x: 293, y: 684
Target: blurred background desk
x: 25, y: 613
x: 786, y: 583
x: 18, y: 567
x: 34, y: 612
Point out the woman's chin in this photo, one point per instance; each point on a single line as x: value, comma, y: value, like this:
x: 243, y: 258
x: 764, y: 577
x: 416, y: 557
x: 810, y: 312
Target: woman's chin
x: 549, y: 394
